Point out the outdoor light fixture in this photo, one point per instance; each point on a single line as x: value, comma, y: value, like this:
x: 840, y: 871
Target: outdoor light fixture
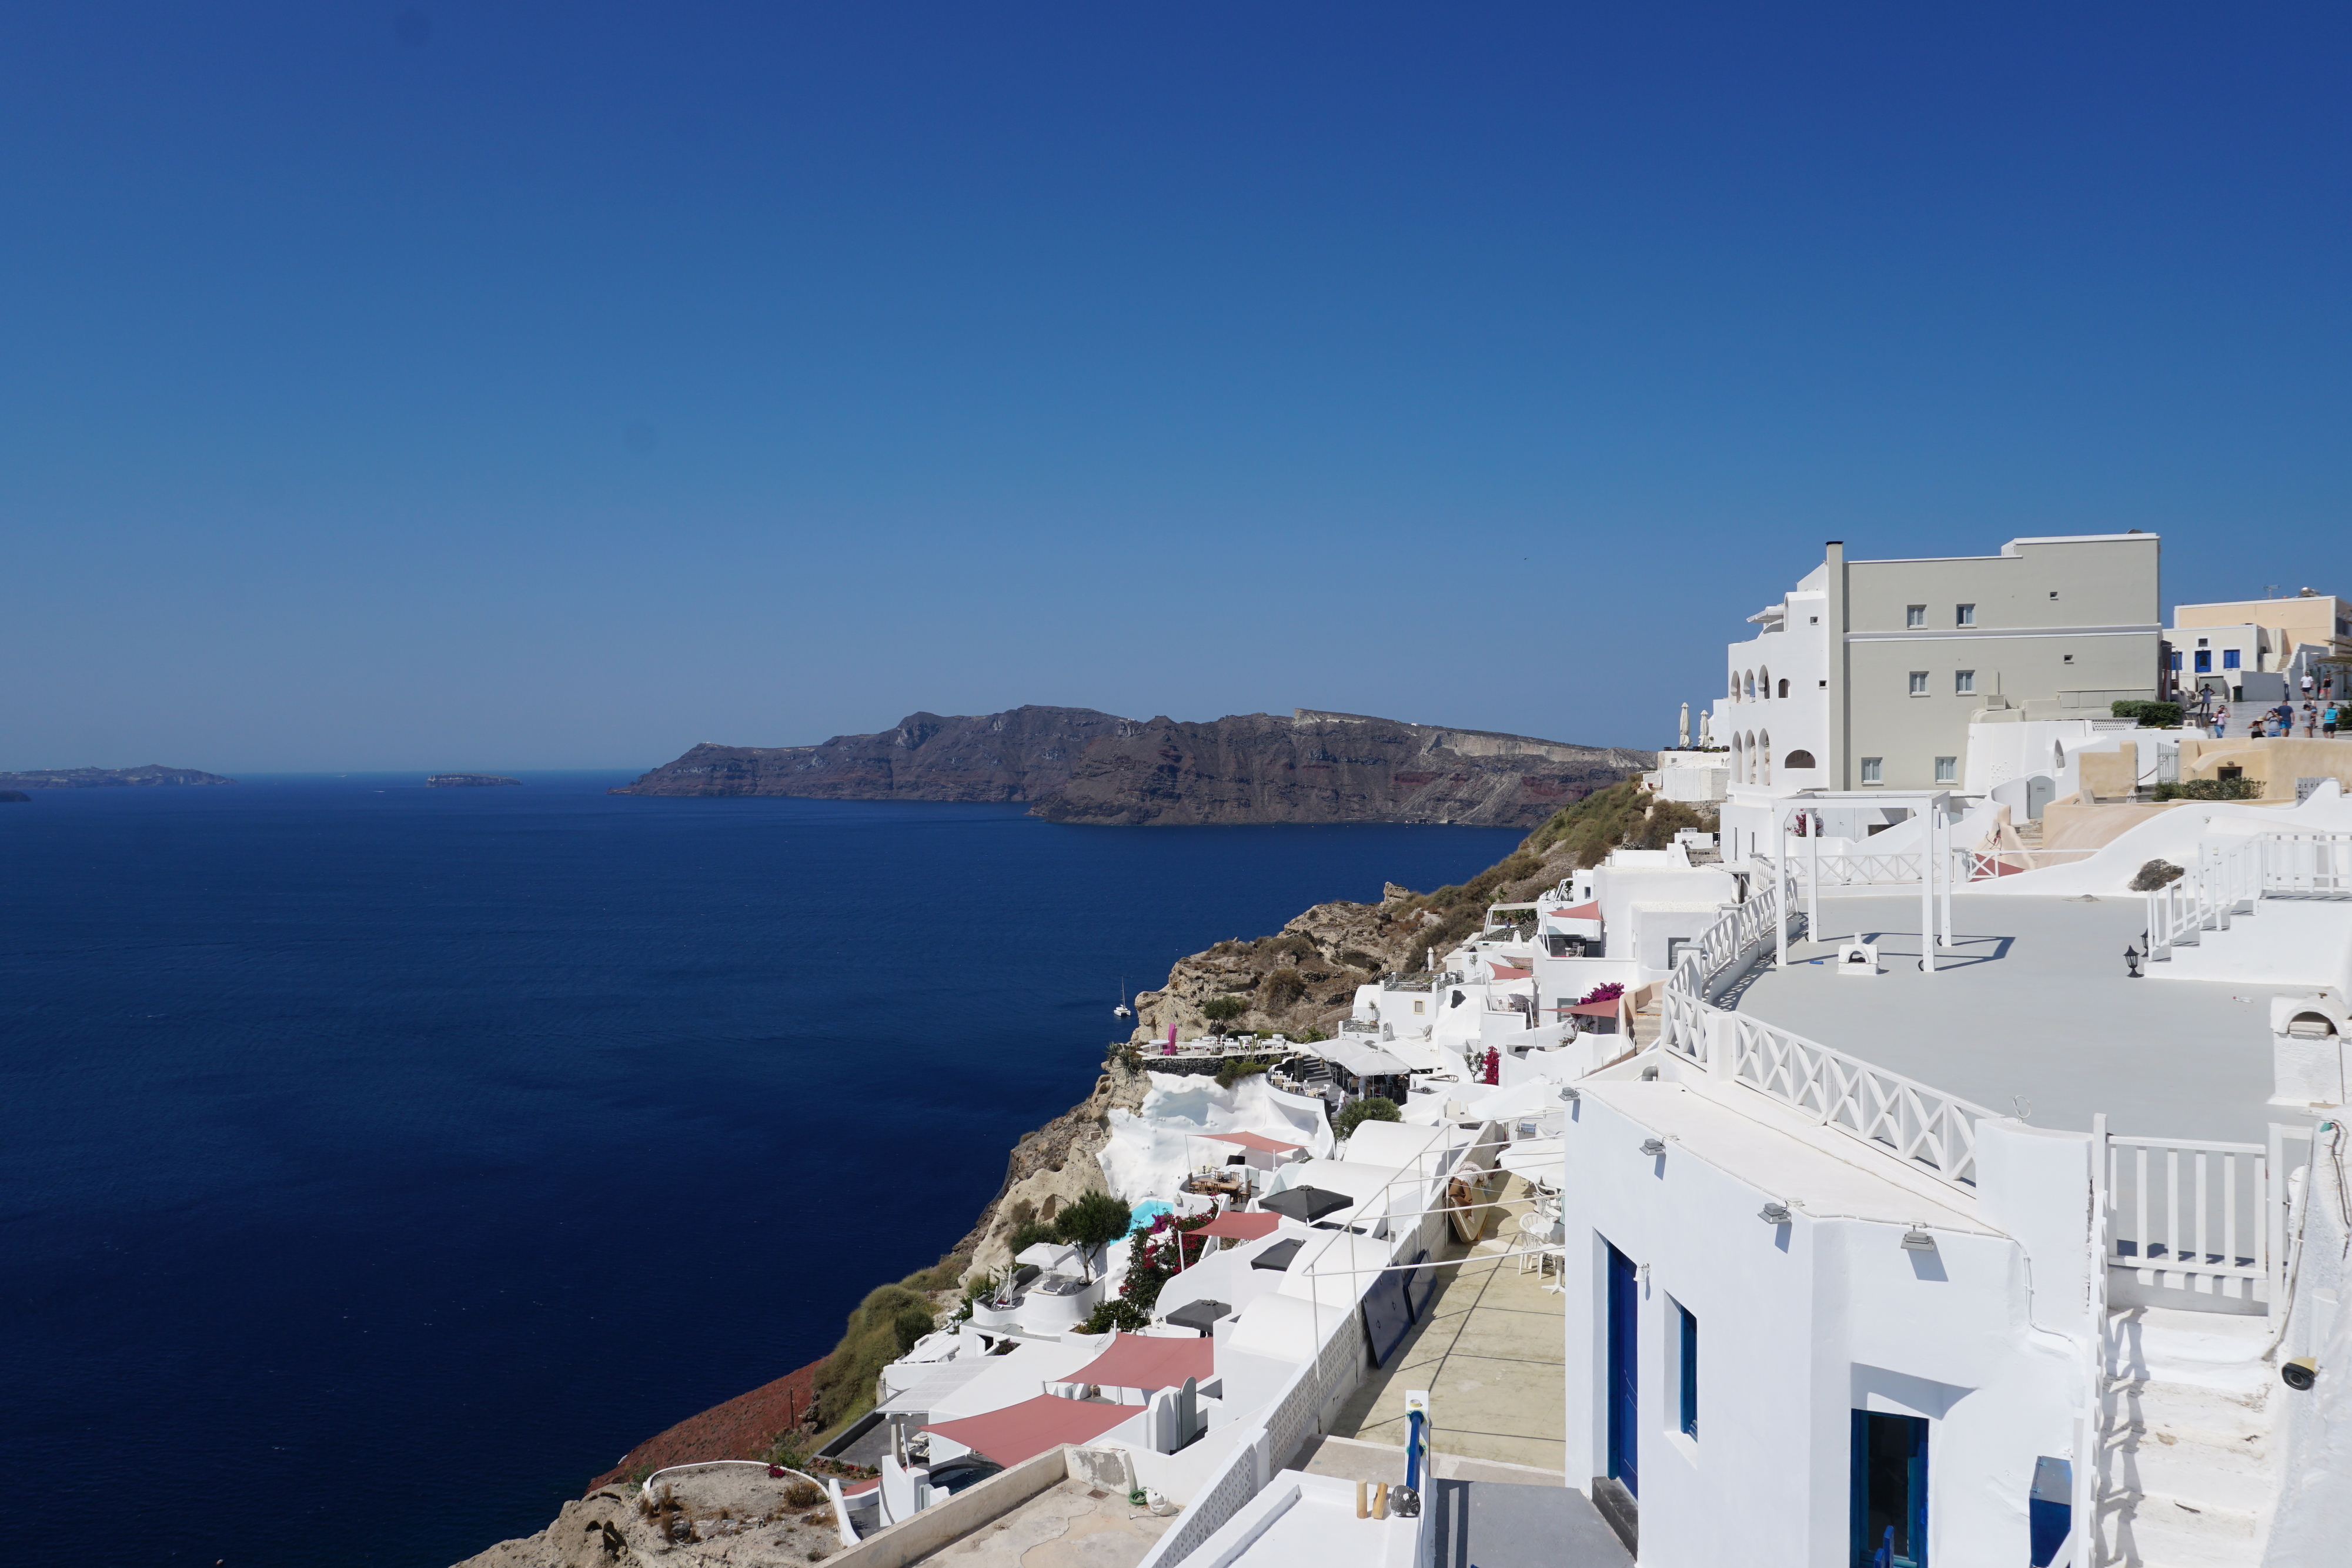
x: 2300, y: 1373
x: 1571, y: 1093
x: 2131, y: 961
x: 1773, y: 1213
x: 1653, y: 1145
x: 1916, y: 1239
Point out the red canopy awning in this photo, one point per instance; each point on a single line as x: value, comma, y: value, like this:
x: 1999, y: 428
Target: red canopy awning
x: 1023, y: 1431
x: 1581, y: 912
x: 1143, y: 1360
x: 1506, y: 972
x: 1252, y: 1141
x: 1235, y: 1226
x: 1607, y: 1009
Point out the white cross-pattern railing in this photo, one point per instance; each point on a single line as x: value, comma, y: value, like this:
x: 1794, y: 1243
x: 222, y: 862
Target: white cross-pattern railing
x: 2230, y: 878
x: 1922, y: 1126
x: 1865, y: 870
x: 2191, y: 1215
x: 1926, y: 1128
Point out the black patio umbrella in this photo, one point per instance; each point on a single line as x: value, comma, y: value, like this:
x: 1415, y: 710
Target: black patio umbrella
x: 1309, y: 1204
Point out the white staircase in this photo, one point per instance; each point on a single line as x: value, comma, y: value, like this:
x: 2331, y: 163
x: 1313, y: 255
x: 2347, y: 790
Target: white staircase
x: 2187, y: 1477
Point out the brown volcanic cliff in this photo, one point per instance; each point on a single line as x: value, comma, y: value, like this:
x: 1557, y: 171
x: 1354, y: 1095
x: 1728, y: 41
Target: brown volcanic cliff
x: 1076, y: 764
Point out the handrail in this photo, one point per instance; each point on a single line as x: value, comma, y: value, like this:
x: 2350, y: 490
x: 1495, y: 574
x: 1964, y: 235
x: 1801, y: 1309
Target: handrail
x: 2230, y: 879
x: 1924, y: 1127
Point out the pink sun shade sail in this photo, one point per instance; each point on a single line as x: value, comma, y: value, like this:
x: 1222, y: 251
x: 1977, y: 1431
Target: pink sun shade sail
x: 1140, y: 1361
x: 1506, y: 972
x: 1607, y: 1009
x: 1581, y: 911
x: 1238, y: 1228
x: 1023, y: 1431
x: 1251, y: 1141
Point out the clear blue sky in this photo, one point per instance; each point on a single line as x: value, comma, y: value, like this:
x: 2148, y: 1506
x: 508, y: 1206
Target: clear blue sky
x: 512, y: 386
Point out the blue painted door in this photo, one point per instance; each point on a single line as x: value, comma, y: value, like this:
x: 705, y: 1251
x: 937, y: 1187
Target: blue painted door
x: 1625, y: 1385
x: 1890, y: 1491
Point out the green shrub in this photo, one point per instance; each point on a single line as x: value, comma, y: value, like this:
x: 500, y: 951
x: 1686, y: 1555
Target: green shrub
x: 2239, y: 788
x: 1028, y: 1233
x: 844, y: 1380
x: 2151, y: 715
x: 1232, y: 1072
x: 1307, y: 1036
x: 1371, y: 1108
x: 1223, y: 1009
x: 2155, y: 874
x: 911, y: 1323
x: 1117, y: 1312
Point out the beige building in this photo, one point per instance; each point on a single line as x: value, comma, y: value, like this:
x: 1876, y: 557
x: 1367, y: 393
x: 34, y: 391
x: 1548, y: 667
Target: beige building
x: 1868, y: 673
x: 2217, y: 641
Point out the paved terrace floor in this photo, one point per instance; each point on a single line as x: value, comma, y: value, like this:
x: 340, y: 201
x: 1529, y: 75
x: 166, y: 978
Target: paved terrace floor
x: 1068, y: 1525
x: 2033, y: 1002
x: 1491, y: 1352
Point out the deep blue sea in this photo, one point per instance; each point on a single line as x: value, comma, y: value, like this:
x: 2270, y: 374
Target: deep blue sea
x: 381, y: 1163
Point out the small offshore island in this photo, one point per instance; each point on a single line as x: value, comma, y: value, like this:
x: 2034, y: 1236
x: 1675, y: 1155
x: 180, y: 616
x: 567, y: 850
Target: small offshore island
x: 108, y: 777
x: 467, y: 780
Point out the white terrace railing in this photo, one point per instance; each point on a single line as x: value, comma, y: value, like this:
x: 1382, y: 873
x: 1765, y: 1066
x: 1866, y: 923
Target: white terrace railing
x: 2231, y: 877
x: 2206, y: 1217
x: 1926, y: 1128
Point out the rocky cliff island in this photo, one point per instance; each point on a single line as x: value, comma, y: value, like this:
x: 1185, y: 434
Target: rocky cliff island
x: 108, y: 777
x: 467, y: 780
x: 1079, y: 765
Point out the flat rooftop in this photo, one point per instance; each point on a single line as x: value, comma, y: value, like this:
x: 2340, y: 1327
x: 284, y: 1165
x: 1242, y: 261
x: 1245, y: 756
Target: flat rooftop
x: 2032, y: 1003
x: 1068, y: 1525
x: 1491, y: 1350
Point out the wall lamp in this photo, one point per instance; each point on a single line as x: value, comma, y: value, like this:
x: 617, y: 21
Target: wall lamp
x: 2131, y: 961
x: 1571, y: 1093
x: 1653, y: 1145
x: 1774, y: 1214
x: 1916, y: 1239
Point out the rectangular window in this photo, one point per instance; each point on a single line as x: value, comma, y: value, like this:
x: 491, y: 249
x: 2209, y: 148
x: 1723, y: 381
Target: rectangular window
x: 2204, y: 661
x: 1964, y: 682
x: 1418, y: 1005
x: 2049, y: 1508
x: 1947, y: 771
x: 2176, y: 658
x: 1915, y: 615
x: 2229, y: 658
x: 1964, y: 615
x: 1871, y: 769
x: 1918, y: 682
x: 1687, y: 1370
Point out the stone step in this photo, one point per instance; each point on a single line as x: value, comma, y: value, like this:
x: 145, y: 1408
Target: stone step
x: 2219, y: 1415
x: 2157, y: 1531
x: 2162, y: 1462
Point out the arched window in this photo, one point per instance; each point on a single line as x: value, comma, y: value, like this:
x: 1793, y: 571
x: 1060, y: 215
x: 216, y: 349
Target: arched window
x: 1735, y: 685
x: 1739, y: 759
x: 1764, y: 681
x: 1764, y: 757
x: 1751, y: 685
x: 1749, y: 776
x: 1784, y: 685
x: 1798, y: 758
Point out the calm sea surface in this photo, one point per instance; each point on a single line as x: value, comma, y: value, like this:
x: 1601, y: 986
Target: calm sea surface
x: 381, y: 1163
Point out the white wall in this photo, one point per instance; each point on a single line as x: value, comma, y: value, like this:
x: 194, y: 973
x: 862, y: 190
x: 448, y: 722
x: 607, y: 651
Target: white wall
x: 1799, y: 1325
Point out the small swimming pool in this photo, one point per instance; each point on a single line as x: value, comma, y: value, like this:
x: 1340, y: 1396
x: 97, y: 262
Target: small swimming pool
x: 1150, y: 1210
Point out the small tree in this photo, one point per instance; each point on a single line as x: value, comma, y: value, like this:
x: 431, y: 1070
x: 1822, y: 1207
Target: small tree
x: 1372, y: 1108
x: 1223, y: 1010
x: 1095, y: 1219
x: 911, y: 1323
x: 2155, y: 874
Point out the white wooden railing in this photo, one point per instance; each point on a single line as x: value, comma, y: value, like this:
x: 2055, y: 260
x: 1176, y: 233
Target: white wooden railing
x: 1926, y: 1128
x: 2231, y: 877
x: 2191, y: 1215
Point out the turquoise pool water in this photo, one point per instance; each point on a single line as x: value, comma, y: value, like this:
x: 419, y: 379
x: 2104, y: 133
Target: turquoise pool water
x: 1150, y: 1210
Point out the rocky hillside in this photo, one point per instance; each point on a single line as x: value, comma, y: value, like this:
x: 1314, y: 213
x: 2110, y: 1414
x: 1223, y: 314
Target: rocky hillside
x: 1304, y: 975
x: 1076, y: 764
x: 107, y: 778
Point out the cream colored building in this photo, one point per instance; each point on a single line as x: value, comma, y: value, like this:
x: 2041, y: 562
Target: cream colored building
x: 2260, y: 635
x: 1868, y: 673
